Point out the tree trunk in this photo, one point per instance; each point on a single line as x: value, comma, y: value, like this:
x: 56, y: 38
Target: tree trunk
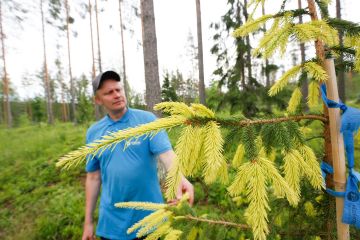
x: 304, y: 87
x: 98, y: 34
x: 93, y: 69
x: 49, y: 109
x: 267, y: 74
x: 72, y: 87
x: 334, y: 144
x: 248, y: 47
x: 151, y: 66
x: 341, y: 73
x: 6, y: 88
x: 126, y: 87
x: 202, y: 95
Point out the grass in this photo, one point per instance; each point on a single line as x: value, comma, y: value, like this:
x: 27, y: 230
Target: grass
x: 38, y: 201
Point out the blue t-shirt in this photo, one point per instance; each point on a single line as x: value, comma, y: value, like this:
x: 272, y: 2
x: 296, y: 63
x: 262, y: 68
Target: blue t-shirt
x: 126, y: 175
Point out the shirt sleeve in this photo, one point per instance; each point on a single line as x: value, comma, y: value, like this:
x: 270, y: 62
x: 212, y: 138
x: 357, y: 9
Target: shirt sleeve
x: 92, y: 162
x: 160, y: 143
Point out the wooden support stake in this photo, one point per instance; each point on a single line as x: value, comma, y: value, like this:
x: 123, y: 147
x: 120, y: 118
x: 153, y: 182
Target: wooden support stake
x: 337, y: 149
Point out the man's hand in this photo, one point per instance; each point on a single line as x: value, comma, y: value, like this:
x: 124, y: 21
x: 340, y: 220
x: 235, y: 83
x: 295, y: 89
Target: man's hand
x: 185, y: 187
x: 88, y: 233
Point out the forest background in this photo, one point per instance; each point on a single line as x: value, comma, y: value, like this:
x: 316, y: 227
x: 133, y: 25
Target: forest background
x: 52, y: 103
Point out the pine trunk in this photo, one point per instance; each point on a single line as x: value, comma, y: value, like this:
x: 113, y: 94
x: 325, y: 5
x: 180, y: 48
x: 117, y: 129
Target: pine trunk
x: 341, y: 73
x: 49, y: 109
x: 98, y: 34
x: 248, y: 47
x: 72, y: 87
x: 151, y: 66
x: 304, y: 87
x: 202, y: 95
x: 267, y: 73
x: 334, y: 144
x: 93, y: 69
x: 126, y: 87
x: 6, y: 88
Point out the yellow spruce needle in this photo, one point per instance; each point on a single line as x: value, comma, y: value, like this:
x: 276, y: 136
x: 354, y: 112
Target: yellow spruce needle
x: 155, y: 223
x: 292, y: 170
x: 256, y: 213
x: 159, y: 232
x: 251, y: 26
x: 146, y: 220
x: 239, y: 183
x: 313, y: 95
x: 281, y: 187
x: 173, y: 180
x: 313, y: 170
x: 202, y: 111
x: 316, y: 71
x: 173, y: 234
x: 141, y: 205
x: 215, y: 165
x: 184, y: 149
x: 107, y: 142
x: 175, y: 108
x: 283, y: 81
x: 239, y: 155
x: 294, y: 100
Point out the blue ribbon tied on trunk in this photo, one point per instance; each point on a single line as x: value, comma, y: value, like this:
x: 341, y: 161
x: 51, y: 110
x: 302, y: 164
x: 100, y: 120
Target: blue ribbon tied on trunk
x: 350, y: 123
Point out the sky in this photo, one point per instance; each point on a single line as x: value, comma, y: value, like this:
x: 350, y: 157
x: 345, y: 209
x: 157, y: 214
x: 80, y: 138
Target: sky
x: 175, y: 21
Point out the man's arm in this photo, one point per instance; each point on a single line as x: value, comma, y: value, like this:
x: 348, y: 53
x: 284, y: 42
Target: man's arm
x: 167, y: 159
x: 92, y: 189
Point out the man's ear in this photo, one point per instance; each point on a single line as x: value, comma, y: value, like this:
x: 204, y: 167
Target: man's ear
x: 97, y: 100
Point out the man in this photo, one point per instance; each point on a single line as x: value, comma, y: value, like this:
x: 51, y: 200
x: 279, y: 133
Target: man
x: 124, y: 175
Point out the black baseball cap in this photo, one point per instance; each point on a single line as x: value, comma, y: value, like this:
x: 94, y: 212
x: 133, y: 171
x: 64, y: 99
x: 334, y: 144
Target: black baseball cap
x: 104, y: 76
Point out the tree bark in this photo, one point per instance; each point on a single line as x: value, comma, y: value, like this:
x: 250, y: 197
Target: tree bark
x: 72, y: 87
x: 304, y: 87
x: 98, y: 34
x: 334, y: 144
x: 6, y: 88
x: 341, y: 73
x: 93, y: 69
x: 202, y: 95
x: 49, y: 109
x: 126, y: 87
x: 151, y: 65
x: 248, y: 47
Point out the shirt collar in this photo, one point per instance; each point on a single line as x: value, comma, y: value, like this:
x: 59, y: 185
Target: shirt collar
x: 125, y: 118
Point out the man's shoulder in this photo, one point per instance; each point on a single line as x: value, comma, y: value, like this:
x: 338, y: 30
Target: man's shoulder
x: 142, y: 115
x: 95, y: 127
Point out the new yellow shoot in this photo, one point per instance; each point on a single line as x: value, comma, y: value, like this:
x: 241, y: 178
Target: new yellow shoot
x: 215, y: 165
x: 283, y: 81
x: 294, y: 100
x: 313, y: 95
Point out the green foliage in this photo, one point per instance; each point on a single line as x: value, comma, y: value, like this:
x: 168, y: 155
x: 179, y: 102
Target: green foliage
x: 37, y: 201
x: 168, y: 92
x: 84, y: 111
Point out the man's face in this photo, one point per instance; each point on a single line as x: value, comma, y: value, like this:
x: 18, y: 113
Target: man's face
x: 111, y: 95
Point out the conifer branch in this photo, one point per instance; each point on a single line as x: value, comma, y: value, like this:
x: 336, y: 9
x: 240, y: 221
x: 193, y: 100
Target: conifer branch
x: 248, y: 122
x: 219, y: 222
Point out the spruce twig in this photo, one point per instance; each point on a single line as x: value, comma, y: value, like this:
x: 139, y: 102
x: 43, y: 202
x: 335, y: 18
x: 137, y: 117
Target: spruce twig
x: 219, y: 222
